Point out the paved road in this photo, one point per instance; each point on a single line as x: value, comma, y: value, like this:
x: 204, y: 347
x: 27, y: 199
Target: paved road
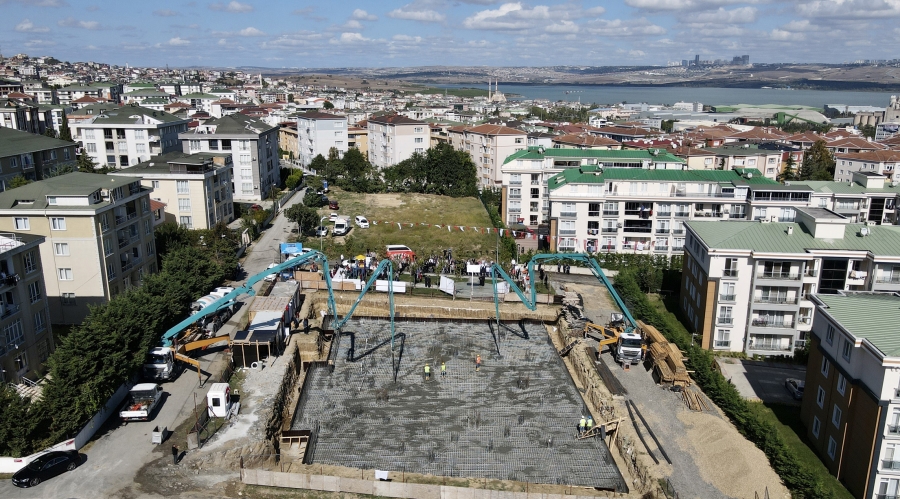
x: 115, y: 458
x: 761, y: 381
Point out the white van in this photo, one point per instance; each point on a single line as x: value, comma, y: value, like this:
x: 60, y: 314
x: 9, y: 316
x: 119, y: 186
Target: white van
x: 341, y: 227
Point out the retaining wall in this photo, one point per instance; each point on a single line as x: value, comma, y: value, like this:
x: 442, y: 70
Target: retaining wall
x: 379, y: 488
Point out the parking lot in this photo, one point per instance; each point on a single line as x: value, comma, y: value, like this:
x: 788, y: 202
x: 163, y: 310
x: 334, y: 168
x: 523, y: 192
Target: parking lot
x: 760, y: 380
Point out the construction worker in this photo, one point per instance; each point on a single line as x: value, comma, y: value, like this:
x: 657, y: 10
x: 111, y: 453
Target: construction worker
x: 581, y: 425
x: 477, y: 362
x: 590, y: 423
x: 427, y: 372
x: 443, y: 369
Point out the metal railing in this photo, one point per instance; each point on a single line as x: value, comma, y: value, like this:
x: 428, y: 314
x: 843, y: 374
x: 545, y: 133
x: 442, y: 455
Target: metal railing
x: 722, y: 344
x: 9, y: 309
x: 778, y: 275
x: 660, y: 248
x: 775, y: 300
x: 890, y: 465
x: 768, y: 323
x: 662, y: 231
x: 568, y: 214
x: 768, y: 346
x: 130, y: 216
x: 724, y: 320
x: 644, y: 230
x: 812, y: 273
x: 893, y: 429
x: 610, y: 230
x: 678, y: 232
x: 894, y: 279
x: 567, y: 232
x: 723, y: 297
x: 664, y: 214
x: 737, y: 215
x: 683, y: 214
x: 729, y: 273
x: 610, y: 213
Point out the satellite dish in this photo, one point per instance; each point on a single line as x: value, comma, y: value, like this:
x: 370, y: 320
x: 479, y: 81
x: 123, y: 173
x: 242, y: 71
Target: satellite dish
x: 864, y: 231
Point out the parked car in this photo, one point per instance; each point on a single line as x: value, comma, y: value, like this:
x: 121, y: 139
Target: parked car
x: 322, y: 231
x: 361, y: 222
x: 795, y: 386
x: 271, y: 277
x: 45, y: 467
x: 399, y: 250
x: 333, y: 204
x: 333, y: 217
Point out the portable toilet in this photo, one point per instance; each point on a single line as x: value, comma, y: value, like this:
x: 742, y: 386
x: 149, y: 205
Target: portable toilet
x: 218, y: 400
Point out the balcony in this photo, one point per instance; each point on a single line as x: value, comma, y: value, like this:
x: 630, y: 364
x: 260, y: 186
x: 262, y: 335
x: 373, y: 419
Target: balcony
x: 777, y: 300
x: 10, y: 280
x: 663, y: 231
x: 893, y: 429
x: 768, y: 346
x: 514, y: 210
x: 772, y: 323
x: 610, y: 230
x: 682, y: 214
x: 725, y: 320
x: 515, y: 196
x: 729, y: 273
x: 661, y: 249
x: 678, y: 248
x: 892, y: 279
x: 815, y: 273
x: 890, y: 465
x: 787, y: 276
x: 727, y: 297
x: 678, y: 232
x: 610, y: 213
x: 8, y: 309
x: 568, y: 214
x: 568, y: 232
x: 664, y: 214
x: 515, y: 182
x: 642, y: 230
x: 737, y: 215
x: 129, y: 216
x: 722, y: 344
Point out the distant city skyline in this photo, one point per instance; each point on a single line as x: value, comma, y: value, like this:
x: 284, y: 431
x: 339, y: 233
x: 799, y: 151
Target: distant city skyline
x: 387, y: 33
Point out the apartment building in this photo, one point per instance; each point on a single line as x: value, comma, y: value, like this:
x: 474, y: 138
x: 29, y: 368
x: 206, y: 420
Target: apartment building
x: 102, y: 91
x: 26, y: 341
x: 747, y: 286
x: 394, y: 138
x: 125, y: 136
x: 358, y: 138
x: 196, y: 188
x: 318, y: 133
x: 642, y: 211
x: 526, y: 173
x: 768, y: 162
x: 254, y: 152
x: 31, y: 156
x: 99, y: 237
x: 288, y: 139
x: 20, y: 114
x: 867, y: 197
x: 584, y: 141
x: 489, y: 146
x: 851, y: 404
x: 879, y: 162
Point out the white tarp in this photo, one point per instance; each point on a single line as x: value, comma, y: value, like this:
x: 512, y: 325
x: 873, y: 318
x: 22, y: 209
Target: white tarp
x: 448, y: 285
x: 473, y: 268
x: 502, y: 287
x: 356, y: 282
x: 399, y: 286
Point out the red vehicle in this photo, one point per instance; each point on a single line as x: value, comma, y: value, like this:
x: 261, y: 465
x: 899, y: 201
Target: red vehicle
x: 333, y: 204
x: 399, y: 250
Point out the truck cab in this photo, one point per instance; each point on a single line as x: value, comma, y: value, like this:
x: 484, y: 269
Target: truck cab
x: 140, y: 402
x: 160, y: 365
x: 630, y: 348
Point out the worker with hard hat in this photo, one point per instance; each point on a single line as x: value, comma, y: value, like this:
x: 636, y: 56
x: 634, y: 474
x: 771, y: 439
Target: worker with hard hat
x: 582, y: 424
x: 427, y: 372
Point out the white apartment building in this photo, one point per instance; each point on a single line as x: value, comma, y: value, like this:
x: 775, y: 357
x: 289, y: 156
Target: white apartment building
x: 394, y: 138
x: 747, y: 286
x: 767, y: 161
x: 867, y: 197
x: 125, y: 136
x: 318, y: 133
x: 489, y: 146
x: 99, y: 237
x: 196, y: 188
x: 254, y: 150
x: 878, y: 162
x: 526, y: 173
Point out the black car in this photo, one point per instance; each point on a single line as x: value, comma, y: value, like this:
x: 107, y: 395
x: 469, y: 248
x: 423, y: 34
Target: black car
x: 45, y: 467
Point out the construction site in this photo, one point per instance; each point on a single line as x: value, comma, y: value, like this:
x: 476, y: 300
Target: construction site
x: 405, y: 396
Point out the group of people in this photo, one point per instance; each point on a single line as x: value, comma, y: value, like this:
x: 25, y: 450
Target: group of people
x: 444, y: 368
x: 586, y: 424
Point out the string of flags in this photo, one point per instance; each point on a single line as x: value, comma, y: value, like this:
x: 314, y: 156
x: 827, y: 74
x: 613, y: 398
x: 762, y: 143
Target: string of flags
x: 480, y: 230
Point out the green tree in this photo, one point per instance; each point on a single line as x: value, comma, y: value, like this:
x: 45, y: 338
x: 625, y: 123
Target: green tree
x: 334, y: 167
x: 64, y: 132
x: 318, y: 164
x: 86, y: 163
x: 818, y: 163
x: 868, y: 131
x: 668, y: 125
x: 169, y: 236
x: 313, y: 200
x: 306, y: 218
x: 789, y: 172
x: 327, y: 105
x: 409, y: 175
x: 290, y: 97
x: 50, y: 132
x: 359, y: 174
x: 18, y: 181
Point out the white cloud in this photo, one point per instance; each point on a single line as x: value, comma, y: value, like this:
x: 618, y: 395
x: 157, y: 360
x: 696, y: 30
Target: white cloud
x: 625, y: 28
x: 742, y: 15
x: 562, y: 27
x: 850, y: 9
x: 294, y: 40
x: 636, y: 53
x: 165, y: 13
x: 362, y: 15
x: 222, y: 41
x: 353, y: 24
x: 406, y: 38
x: 595, y: 11
x: 38, y: 3
x: 509, y: 16
x: 233, y: 6
x: 681, y: 5
x: 71, y: 22
x: 36, y: 44
x: 411, y: 13
x: 251, y: 31
x: 92, y: 47
x: 352, y: 38
x: 26, y: 26
x: 178, y: 42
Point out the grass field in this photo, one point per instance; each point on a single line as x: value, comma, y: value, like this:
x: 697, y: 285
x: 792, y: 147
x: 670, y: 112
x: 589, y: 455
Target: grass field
x: 786, y: 419
x: 415, y: 209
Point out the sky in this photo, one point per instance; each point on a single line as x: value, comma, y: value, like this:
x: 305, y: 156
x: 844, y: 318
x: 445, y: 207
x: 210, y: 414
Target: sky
x: 389, y: 33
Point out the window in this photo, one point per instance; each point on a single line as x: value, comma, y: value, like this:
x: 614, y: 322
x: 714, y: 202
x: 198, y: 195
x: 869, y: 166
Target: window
x: 140, y: 148
x: 829, y: 334
x: 184, y: 204
x: 107, y: 246
x: 185, y: 222
x: 846, y: 349
x: 825, y: 367
x: 43, y: 350
x: 91, y: 147
x: 14, y: 333
x: 147, y: 227
x: 816, y: 426
x: 888, y: 487
x: 64, y: 274
x: 836, y: 414
x: 139, y: 134
x: 181, y: 187
x: 419, y: 140
x: 155, y: 184
x: 21, y: 223
x: 68, y: 299
x: 244, y: 159
x: 34, y: 291
x: 89, y: 134
x: 123, y: 147
x: 195, y: 145
x: 723, y: 338
x: 30, y: 262
x: 149, y: 248
x: 418, y: 129
x: 842, y: 384
x: 419, y: 150
x: 832, y: 447
x: 820, y: 397
x: 246, y: 173
x: 61, y: 249
x: 57, y: 223
x: 725, y: 315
